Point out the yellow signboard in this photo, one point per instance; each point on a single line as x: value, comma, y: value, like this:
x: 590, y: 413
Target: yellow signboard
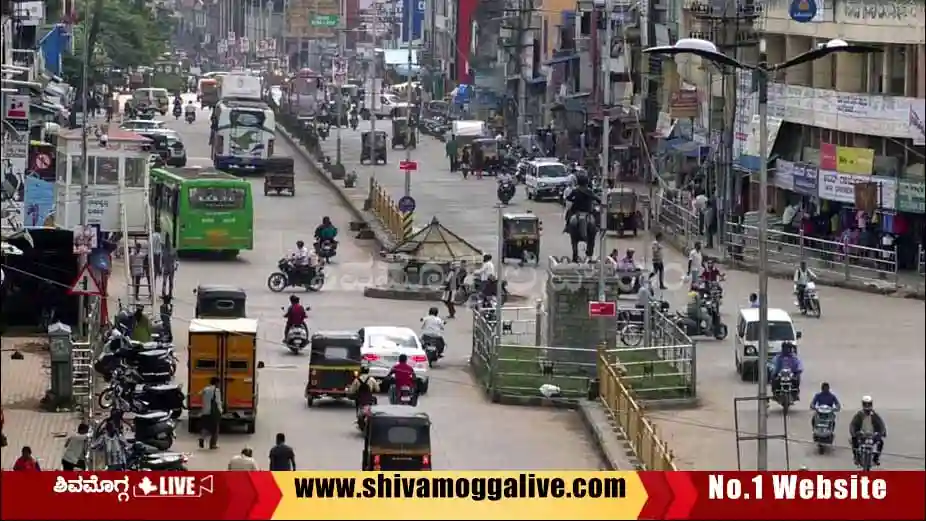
x: 854, y: 160
x: 301, y: 13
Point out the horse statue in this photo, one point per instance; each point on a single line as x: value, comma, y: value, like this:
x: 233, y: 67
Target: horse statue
x: 582, y: 227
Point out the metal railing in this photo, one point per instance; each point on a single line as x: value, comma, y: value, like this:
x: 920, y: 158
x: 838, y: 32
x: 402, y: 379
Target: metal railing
x: 664, y: 367
x: 676, y: 219
x: 618, y: 401
x: 832, y: 261
x: 387, y: 211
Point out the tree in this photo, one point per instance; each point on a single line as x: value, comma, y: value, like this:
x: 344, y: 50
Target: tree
x: 122, y: 35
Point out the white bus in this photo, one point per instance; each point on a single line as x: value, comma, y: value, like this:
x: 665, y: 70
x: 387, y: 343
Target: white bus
x: 242, y: 135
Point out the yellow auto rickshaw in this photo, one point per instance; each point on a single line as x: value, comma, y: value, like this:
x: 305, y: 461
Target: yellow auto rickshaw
x: 623, y: 215
x: 485, y: 153
x: 521, y: 237
x: 334, y: 363
x: 226, y: 349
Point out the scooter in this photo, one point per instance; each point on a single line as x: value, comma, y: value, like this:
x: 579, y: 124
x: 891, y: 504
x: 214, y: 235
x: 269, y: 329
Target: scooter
x: 148, y: 457
x: 154, y: 428
x: 177, y: 112
x: 824, y: 427
x: 505, y: 191
x: 190, y: 117
x: 433, y: 347
x: 297, y: 339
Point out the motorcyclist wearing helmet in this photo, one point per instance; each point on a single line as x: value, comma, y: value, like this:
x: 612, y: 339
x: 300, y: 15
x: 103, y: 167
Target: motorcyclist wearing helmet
x: 786, y: 359
x: 432, y: 330
x: 583, y: 199
x: 867, y: 422
x: 364, y: 388
x: 295, y: 315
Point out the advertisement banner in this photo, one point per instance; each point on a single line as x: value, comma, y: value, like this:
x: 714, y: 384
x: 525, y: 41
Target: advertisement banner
x: 911, y: 196
x: 854, y: 160
x: 829, y: 157
x: 918, y: 122
x: 784, y: 175
x: 412, y: 31
x: 804, y: 178
x: 835, y: 186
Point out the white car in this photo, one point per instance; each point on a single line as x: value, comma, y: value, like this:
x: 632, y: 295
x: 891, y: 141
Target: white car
x: 382, y: 346
x: 388, y: 104
x: 142, y: 124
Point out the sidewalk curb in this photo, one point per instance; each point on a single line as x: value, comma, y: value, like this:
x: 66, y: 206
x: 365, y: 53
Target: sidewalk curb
x: 680, y: 245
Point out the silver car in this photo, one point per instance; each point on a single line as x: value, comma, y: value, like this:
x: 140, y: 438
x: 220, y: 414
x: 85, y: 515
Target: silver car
x: 382, y: 346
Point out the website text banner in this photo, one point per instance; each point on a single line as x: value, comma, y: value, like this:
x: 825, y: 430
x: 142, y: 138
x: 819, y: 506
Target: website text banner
x: 462, y: 495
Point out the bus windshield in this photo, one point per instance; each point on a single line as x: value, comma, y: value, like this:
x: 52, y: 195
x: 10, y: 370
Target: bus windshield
x: 243, y: 118
x: 217, y: 198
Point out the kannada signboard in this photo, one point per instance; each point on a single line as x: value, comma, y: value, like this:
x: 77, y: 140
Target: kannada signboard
x: 302, y: 16
x: 854, y: 160
x: 911, y: 196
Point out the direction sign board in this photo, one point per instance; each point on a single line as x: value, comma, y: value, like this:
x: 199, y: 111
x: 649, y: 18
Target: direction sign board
x: 85, y: 284
x: 803, y: 11
x: 406, y: 204
x: 602, y: 309
x: 325, y: 20
x: 408, y: 165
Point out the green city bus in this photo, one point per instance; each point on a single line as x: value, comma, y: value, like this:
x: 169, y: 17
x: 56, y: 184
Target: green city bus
x: 203, y: 210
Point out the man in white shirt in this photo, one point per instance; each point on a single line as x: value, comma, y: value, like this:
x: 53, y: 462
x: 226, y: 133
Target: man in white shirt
x: 244, y: 461
x: 695, y: 262
x: 301, y: 257
x: 432, y: 330
x: 802, y: 275
x: 487, y: 270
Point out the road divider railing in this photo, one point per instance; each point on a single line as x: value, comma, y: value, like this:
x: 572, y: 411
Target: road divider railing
x: 387, y: 212
x: 630, y: 417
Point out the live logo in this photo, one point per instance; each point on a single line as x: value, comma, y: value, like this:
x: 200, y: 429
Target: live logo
x: 177, y: 486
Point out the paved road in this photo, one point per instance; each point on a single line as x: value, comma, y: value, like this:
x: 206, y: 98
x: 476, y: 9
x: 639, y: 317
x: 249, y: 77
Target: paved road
x: 468, y: 432
x: 864, y: 345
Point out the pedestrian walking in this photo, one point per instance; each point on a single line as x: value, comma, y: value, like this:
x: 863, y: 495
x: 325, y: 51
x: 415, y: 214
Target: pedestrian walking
x: 450, y: 291
x: 157, y: 247
x: 658, y: 259
x: 282, y: 457
x: 25, y: 461
x: 212, y: 414
x: 168, y: 269
x: 139, y: 270
x: 76, y: 448
x: 244, y: 461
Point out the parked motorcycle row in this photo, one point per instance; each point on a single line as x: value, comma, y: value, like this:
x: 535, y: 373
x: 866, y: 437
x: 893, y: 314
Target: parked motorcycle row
x: 143, y: 402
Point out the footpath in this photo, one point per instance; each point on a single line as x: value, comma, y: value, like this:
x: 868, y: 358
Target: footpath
x: 25, y: 382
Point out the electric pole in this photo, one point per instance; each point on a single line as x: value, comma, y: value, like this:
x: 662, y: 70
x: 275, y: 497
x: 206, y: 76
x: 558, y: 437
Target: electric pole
x: 605, y: 159
x: 408, y: 129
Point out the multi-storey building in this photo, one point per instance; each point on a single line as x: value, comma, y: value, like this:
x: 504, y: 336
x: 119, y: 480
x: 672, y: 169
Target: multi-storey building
x: 835, y: 123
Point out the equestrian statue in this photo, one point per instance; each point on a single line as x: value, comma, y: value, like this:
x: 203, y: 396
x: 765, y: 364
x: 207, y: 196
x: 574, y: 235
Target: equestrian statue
x: 581, y: 218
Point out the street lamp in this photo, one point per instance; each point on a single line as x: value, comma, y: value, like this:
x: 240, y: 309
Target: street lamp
x: 761, y: 71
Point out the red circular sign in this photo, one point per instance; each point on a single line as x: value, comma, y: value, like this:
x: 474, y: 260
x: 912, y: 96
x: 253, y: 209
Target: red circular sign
x: 42, y: 161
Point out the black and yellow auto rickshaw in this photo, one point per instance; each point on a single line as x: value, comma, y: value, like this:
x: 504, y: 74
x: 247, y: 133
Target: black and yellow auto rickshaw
x: 521, y: 237
x: 374, y: 146
x: 485, y: 153
x: 622, y: 211
x: 280, y: 176
x: 334, y: 363
x: 403, y: 135
x: 220, y: 301
x: 397, y: 438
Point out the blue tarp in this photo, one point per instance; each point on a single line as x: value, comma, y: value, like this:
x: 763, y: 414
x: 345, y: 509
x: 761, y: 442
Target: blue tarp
x: 53, y: 46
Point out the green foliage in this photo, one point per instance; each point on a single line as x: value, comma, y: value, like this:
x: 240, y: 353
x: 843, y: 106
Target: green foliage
x: 128, y: 35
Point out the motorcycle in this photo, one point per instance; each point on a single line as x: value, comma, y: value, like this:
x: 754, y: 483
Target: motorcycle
x: 326, y: 250
x: 785, y: 389
x: 433, y: 347
x: 147, y: 457
x: 190, y: 117
x: 865, y: 452
x: 824, y: 427
x: 363, y: 413
x: 354, y: 122
x: 505, y: 191
x: 154, y: 428
x: 297, y: 338
x: 177, y: 112
x: 288, y: 276
x: 718, y: 330
x: 810, y: 304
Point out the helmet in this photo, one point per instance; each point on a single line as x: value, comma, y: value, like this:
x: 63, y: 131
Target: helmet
x: 867, y: 403
x: 294, y: 299
x: 787, y: 347
x: 300, y: 244
x: 581, y: 179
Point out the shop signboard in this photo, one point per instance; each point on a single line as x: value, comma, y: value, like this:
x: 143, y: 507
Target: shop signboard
x: 838, y: 187
x: 804, y: 179
x: 855, y: 160
x: 784, y: 175
x: 911, y: 196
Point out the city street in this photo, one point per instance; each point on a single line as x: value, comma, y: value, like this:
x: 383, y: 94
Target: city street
x: 468, y: 431
x: 865, y: 344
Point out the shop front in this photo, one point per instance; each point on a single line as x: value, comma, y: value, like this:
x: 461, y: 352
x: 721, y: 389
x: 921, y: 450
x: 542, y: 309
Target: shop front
x: 911, y: 221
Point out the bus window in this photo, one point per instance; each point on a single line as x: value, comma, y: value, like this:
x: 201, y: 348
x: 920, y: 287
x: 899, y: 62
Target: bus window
x: 217, y: 198
x: 250, y: 119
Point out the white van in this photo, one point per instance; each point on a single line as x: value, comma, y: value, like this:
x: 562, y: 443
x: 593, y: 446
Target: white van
x: 745, y: 344
x: 546, y: 178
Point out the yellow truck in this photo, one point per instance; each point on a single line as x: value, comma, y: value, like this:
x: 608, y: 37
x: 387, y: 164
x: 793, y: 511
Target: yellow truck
x: 225, y: 348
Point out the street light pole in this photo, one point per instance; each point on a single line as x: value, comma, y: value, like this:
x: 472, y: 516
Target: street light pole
x: 762, y: 71
x: 408, y: 127
x: 605, y: 165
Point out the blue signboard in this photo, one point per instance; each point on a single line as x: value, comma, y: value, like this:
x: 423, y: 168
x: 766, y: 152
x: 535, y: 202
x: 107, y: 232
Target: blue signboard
x: 416, y: 7
x: 803, y: 11
x: 407, y: 204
